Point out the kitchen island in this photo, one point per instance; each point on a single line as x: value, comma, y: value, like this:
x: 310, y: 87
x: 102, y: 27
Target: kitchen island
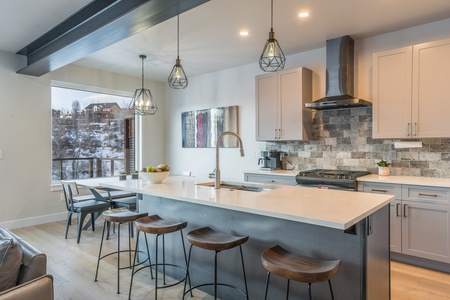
x: 327, y: 224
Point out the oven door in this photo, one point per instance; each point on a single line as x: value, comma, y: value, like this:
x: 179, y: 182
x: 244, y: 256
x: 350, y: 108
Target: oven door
x: 328, y: 186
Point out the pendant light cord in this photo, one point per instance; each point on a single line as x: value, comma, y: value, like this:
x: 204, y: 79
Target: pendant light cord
x: 271, y: 16
x: 143, y: 72
x: 178, y: 36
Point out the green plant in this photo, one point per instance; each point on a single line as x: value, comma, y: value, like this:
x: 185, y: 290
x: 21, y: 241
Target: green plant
x: 123, y: 173
x: 383, y: 163
x: 135, y: 172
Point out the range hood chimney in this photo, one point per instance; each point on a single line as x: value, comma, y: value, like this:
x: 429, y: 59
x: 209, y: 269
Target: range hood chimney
x: 339, y: 79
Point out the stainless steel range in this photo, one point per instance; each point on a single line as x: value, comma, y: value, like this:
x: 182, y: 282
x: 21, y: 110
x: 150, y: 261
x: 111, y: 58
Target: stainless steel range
x: 330, y: 179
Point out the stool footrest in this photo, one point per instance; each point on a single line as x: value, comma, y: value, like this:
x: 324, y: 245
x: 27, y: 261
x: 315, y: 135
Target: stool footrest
x: 212, y: 284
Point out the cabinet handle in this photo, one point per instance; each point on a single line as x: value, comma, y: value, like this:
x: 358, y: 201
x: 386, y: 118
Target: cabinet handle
x: 397, y: 210
x: 407, y: 129
x: 414, y: 129
x: 380, y: 191
x: 428, y: 195
x: 404, y: 210
x: 275, y: 133
x: 279, y: 133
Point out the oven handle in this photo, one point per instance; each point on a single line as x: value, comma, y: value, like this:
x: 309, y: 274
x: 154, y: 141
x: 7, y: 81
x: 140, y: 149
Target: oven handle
x: 327, y: 186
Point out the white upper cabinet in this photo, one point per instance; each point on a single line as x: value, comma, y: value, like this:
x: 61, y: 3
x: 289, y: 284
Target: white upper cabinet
x: 280, y: 111
x: 410, y: 91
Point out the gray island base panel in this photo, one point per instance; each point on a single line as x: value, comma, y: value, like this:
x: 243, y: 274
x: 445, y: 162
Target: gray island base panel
x: 364, y: 250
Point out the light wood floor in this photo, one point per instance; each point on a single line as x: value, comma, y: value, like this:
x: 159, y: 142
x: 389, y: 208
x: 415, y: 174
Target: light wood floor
x: 73, y: 267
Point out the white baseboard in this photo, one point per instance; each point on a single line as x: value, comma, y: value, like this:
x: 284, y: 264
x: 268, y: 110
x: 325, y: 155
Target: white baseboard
x: 34, y: 221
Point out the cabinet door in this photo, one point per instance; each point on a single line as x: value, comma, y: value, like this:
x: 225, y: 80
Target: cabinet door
x: 395, y: 210
x: 266, y: 107
x: 425, y: 230
x: 430, y: 98
x: 396, y: 226
x: 294, y: 90
x: 392, y: 76
x: 276, y: 179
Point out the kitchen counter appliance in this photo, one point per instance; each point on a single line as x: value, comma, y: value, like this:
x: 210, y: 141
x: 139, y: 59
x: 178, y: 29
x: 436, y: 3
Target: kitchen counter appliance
x: 270, y: 160
x: 330, y: 179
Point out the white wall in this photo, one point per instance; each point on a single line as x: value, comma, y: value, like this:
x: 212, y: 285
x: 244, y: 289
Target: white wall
x: 25, y: 137
x: 236, y: 86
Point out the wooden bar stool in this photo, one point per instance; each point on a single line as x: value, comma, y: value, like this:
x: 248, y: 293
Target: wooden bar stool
x: 159, y: 227
x: 208, y: 239
x: 119, y: 216
x: 299, y: 268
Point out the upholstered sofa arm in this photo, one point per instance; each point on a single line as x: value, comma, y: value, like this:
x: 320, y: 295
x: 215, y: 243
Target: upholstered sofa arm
x: 40, y: 288
x: 34, y: 261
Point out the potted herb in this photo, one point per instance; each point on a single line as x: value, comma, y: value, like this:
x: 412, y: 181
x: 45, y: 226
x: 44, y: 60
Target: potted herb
x: 123, y: 175
x: 135, y: 174
x: 383, y: 167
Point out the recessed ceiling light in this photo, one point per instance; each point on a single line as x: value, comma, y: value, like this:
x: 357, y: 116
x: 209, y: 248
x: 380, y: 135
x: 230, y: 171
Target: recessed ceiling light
x: 303, y: 14
x: 243, y: 33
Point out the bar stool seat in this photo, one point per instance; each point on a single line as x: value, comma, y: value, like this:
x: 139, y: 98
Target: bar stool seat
x: 158, y: 226
x: 208, y: 239
x: 117, y: 215
x: 297, y: 267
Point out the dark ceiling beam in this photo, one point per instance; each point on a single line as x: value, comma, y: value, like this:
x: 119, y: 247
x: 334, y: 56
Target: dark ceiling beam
x: 99, y: 24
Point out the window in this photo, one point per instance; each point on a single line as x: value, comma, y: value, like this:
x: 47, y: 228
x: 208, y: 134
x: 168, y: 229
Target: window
x: 92, y: 134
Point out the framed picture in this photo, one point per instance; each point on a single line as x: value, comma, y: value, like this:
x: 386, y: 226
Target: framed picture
x: 200, y: 128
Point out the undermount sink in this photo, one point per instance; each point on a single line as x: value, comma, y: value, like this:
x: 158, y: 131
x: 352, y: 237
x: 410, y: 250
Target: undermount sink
x: 239, y: 186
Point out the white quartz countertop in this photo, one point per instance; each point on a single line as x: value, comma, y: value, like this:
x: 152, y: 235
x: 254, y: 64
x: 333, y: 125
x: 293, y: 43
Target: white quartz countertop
x: 330, y: 208
x: 412, y: 180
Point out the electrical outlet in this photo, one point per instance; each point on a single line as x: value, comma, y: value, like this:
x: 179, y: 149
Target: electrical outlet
x: 257, y: 153
x: 1, y: 153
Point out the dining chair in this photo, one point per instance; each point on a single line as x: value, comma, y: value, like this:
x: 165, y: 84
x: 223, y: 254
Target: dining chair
x: 82, y: 209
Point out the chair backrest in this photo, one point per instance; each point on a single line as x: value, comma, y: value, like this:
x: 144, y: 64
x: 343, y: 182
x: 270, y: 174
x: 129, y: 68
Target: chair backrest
x: 70, y: 189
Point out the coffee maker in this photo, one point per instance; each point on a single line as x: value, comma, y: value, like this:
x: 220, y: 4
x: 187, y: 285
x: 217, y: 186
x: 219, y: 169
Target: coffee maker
x: 264, y: 161
x: 270, y: 160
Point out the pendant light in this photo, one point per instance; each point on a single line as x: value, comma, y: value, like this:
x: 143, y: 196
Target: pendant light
x: 143, y: 102
x: 272, y: 58
x: 177, y: 78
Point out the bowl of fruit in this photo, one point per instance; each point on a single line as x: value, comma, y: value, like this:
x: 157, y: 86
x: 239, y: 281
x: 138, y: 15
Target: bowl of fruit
x: 155, y: 174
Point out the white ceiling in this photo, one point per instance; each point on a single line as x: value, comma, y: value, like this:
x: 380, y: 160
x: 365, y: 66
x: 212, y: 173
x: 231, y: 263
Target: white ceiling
x: 209, y: 34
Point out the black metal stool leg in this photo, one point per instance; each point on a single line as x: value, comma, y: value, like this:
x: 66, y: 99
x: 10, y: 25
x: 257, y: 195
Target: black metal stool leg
x: 100, y: 251
x: 309, y: 291
x: 156, y: 267
x: 148, y: 255
x: 287, y: 289
x: 215, y: 275
x: 118, y: 257
x: 187, y: 273
x: 267, y: 285
x: 245, y: 276
x: 134, y: 263
x: 164, y: 260
x: 186, y: 261
x: 331, y: 289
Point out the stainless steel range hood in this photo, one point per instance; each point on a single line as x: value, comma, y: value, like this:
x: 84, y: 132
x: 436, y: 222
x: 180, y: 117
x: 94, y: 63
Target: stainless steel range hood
x: 339, y: 79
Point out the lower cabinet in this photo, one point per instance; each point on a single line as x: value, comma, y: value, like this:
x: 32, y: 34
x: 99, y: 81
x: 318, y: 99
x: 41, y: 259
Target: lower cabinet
x: 420, y: 219
x: 265, y: 178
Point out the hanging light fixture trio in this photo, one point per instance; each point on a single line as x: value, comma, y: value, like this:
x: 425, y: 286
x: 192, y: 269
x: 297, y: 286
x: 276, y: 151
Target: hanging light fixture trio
x: 272, y: 58
x: 177, y: 78
x: 143, y: 102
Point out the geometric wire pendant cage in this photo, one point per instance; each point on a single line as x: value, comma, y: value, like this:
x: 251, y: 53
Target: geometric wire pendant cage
x: 177, y: 78
x: 143, y: 102
x: 272, y: 57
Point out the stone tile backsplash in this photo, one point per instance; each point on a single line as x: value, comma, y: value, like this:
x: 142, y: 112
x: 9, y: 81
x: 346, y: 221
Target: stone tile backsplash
x: 343, y: 140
